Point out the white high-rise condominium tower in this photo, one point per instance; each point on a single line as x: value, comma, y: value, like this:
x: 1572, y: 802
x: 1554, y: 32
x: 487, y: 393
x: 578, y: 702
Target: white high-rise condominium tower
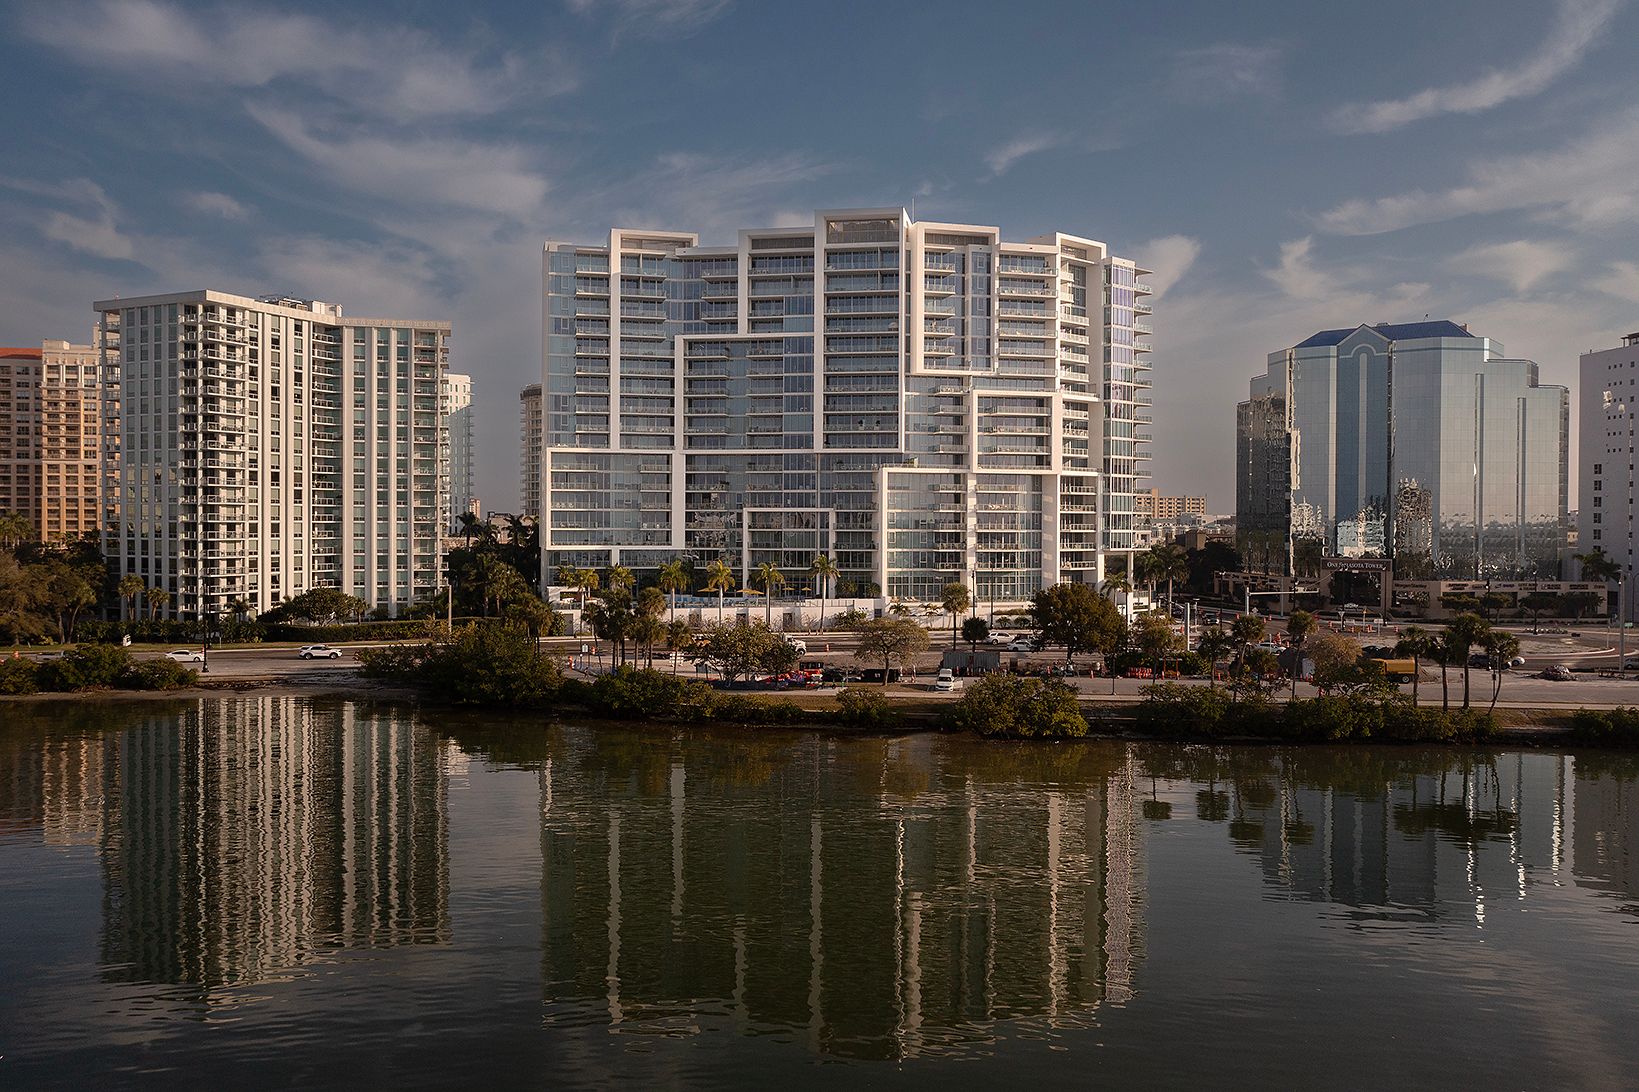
x: 457, y: 395
x: 924, y: 402
x: 1605, y: 516
x: 271, y: 446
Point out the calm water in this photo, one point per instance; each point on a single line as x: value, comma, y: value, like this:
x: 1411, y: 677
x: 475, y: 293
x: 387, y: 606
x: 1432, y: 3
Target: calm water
x: 270, y: 891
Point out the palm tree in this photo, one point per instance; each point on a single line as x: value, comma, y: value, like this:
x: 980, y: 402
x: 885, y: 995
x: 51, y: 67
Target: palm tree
x: 1462, y: 634
x: 469, y: 525
x: 1247, y: 630
x: 1146, y: 571
x: 156, y: 599
x: 825, y: 571
x: 1169, y: 562
x: 1418, y: 643
x: 1214, y: 644
x: 620, y: 578
x: 15, y: 529
x: 955, y: 599
x: 719, y: 579
x: 678, y: 637
x: 130, y: 588
x: 1298, y: 628
x: 673, y: 578
x: 1501, y: 647
x: 772, y: 580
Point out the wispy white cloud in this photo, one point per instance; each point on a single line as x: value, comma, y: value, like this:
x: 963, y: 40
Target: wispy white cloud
x: 1227, y: 70
x: 1592, y: 180
x: 1169, y: 258
x: 1620, y: 279
x: 653, y: 18
x: 449, y: 172
x: 386, y: 70
x: 1520, y: 264
x: 89, y: 227
x: 216, y: 204
x: 1577, y: 27
x: 715, y: 194
x: 1000, y: 160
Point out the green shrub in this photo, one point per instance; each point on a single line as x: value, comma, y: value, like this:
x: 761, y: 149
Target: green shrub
x: 633, y: 693
x: 1606, y: 727
x: 161, y: 674
x: 479, y: 665
x: 87, y: 667
x: 1018, y: 707
x: 1174, y: 709
x: 748, y: 709
x: 19, y: 677
x: 867, y: 708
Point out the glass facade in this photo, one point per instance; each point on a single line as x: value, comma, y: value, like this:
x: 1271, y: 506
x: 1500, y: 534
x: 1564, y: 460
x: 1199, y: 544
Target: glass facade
x: 1431, y: 448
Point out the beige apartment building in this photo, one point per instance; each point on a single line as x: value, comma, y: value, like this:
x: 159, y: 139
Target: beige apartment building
x: 51, y: 437
x: 1151, y: 505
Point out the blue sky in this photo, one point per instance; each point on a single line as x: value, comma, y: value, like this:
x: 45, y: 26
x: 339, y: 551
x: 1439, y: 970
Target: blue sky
x: 1284, y: 166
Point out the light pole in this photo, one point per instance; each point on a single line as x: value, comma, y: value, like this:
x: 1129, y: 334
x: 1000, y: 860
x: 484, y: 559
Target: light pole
x: 1621, y: 624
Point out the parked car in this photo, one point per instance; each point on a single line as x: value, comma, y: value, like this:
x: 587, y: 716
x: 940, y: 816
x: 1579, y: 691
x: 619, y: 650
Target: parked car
x: 800, y: 646
x: 1023, y: 644
x: 186, y: 656
x: 1558, y: 673
x: 999, y: 639
x: 1517, y: 661
x: 318, y: 652
x: 945, y: 680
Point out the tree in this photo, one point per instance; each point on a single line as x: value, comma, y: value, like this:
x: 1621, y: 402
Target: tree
x: 1500, y: 647
x: 317, y: 606
x: 1076, y: 616
x: 1116, y: 584
x: 15, y: 529
x: 1537, y: 603
x: 1152, y: 635
x: 1419, y: 644
x: 737, y: 649
x: 825, y: 572
x: 890, y: 639
x: 130, y: 588
x: 620, y: 578
x: 955, y: 599
x: 646, y: 631
x: 771, y: 581
x: 720, y: 579
x: 1247, y: 631
x: 157, y: 600
x: 1300, y: 625
x: 672, y: 578
x: 1022, y: 708
x: 1462, y: 634
x: 678, y: 637
x: 975, y: 630
x: 1336, y: 658
x: 1168, y: 562
x: 1596, y: 566
x: 1213, y: 645
x: 1146, y: 570
x: 470, y: 526
x: 69, y: 593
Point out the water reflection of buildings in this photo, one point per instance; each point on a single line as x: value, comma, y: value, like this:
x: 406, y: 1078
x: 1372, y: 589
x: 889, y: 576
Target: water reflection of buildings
x: 888, y: 922
x: 1428, y: 831
x: 247, y: 835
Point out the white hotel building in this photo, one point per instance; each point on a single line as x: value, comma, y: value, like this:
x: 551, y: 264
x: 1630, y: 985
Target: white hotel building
x: 924, y: 402
x: 271, y: 446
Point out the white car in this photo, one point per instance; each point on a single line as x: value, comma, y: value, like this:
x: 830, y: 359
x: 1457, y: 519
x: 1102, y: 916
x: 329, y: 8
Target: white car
x: 319, y: 652
x: 186, y: 656
x: 801, y: 647
x: 1023, y: 644
x: 999, y: 639
x: 946, y: 680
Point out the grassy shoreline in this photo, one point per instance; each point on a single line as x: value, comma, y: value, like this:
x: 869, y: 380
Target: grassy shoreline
x: 1538, y: 727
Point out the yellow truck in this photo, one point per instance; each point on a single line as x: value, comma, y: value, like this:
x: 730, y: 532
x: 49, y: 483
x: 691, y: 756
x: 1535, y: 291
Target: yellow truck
x: 1399, y: 670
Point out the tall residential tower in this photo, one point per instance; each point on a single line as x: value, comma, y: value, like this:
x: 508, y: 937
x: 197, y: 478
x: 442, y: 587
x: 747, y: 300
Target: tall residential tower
x: 271, y: 446
x: 529, y: 427
x: 924, y: 402
x: 1605, y: 509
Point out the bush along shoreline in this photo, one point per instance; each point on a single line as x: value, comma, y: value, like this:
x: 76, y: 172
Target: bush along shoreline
x: 501, y: 666
x: 90, y: 668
